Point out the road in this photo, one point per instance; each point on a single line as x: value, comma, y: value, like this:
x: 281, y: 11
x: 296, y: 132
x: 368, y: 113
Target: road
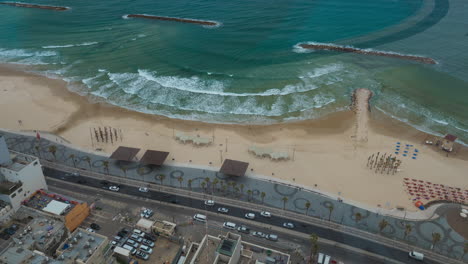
x: 275, y: 220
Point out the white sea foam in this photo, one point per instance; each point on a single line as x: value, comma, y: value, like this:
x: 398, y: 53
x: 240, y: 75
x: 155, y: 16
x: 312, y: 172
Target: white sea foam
x: 125, y: 16
x: 217, y: 23
x: 462, y: 129
x: 70, y: 45
x: 15, y: 53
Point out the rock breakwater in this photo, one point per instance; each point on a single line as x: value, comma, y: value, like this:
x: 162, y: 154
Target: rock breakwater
x: 56, y: 8
x: 183, y: 20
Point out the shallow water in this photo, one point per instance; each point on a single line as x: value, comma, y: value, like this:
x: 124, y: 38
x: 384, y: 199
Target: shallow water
x: 248, y: 69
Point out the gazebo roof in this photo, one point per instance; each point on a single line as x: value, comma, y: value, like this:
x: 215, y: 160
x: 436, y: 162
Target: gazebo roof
x: 450, y: 137
x: 234, y: 167
x: 154, y: 157
x: 124, y: 153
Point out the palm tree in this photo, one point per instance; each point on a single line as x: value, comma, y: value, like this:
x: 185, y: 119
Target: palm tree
x: 330, y: 208
x: 207, y: 179
x: 285, y: 200
x: 237, y: 190
x: 242, y: 188
x: 189, y: 182
x: 382, y: 224
x: 408, y: 229
x: 180, y: 179
x: 314, y: 247
x: 72, y: 156
x: 263, y: 194
x: 224, y: 188
x: 203, y: 184
x: 53, y: 149
x: 357, y: 217
x: 215, y: 182
x: 249, y: 194
x: 88, y: 160
x: 161, y: 177
x: 307, y: 206
x: 435, y: 238
x: 106, y: 166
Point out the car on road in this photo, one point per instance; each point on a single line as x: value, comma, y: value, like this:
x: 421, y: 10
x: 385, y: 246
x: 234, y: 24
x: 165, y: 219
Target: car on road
x: 243, y: 229
x: 223, y: 210
x: 143, y: 189
x: 95, y: 226
x: 210, y: 202
x: 259, y: 234
x: 416, y: 255
x: 289, y: 225
x: 250, y: 216
x: 114, y: 188
x: 272, y: 237
x: 200, y: 217
x: 142, y: 255
x: 229, y: 225
x: 75, y: 174
x: 82, y: 181
x: 265, y: 214
x: 90, y: 230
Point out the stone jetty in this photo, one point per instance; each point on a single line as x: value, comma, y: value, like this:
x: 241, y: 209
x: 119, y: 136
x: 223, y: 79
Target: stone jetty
x: 367, y: 52
x: 183, y: 20
x: 56, y: 8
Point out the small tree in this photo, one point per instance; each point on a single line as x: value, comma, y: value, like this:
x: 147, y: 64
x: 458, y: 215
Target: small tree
x: 203, y: 184
x: 124, y: 170
x: 242, y: 188
x: 435, y: 239
x: 285, y: 200
x: 330, y: 209
x: 314, y: 246
x: 237, y: 190
x: 249, y: 194
x: 72, y: 156
x: 161, y: 178
x: 215, y: 182
x: 262, y: 195
x: 180, y: 179
x: 53, y: 150
x: 357, y: 217
x: 382, y: 224
x: 307, y: 206
x: 106, y: 166
x: 189, y: 182
x: 88, y: 160
x: 408, y: 229
x: 224, y: 188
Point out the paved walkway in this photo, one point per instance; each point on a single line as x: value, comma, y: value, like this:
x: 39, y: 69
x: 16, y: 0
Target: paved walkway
x: 276, y: 194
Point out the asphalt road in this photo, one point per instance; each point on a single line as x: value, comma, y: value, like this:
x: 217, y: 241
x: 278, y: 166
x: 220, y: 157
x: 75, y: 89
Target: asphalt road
x: 322, y: 232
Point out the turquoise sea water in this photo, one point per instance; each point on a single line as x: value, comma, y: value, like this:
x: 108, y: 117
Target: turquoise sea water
x: 249, y: 68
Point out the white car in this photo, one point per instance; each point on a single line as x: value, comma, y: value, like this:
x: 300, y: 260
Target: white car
x: 209, y: 202
x: 229, y: 225
x: 250, y: 216
x: 259, y: 234
x: 143, y: 189
x: 114, y: 188
x: 90, y: 230
x: 147, y: 213
x: 288, y: 225
x: 223, y: 210
x: 265, y: 214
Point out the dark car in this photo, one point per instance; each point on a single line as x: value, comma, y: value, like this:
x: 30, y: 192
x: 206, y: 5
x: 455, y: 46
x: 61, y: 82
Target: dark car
x: 10, y: 231
x: 95, y: 226
x: 104, y: 182
x: 174, y: 201
x: 150, y: 237
x: 4, y: 236
x: 82, y: 181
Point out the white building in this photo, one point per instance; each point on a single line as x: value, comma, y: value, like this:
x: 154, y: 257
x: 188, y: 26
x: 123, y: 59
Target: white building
x: 20, y: 176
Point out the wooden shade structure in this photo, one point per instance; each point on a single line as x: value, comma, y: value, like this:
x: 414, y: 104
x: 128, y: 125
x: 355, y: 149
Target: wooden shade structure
x: 234, y: 167
x: 154, y: 157
x: 124, y: 153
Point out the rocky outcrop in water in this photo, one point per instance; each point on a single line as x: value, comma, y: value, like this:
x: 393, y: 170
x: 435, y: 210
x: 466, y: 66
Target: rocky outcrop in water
x: 368, y: 52
x: 56, y: 8
x: 183, y: 20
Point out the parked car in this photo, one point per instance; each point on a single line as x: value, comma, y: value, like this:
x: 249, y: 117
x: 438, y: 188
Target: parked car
x: 259, y: 234
x: 150, y: 237
x: 90, y: 230
x: 143, y: 189
x: 95, y: 226
x: 114, y: 188
x: 265, y: 214
x: 10, y: 231
x: 148, y: 243
x: 117, y: 238
x: 229, y: 225
x: 139, y: 232
x: 146, y: 249
x: 209, y: 202
x: 142, y: 255
x: 137, y: 238
x: 288, y: 225
x: 272, y: 237
x: 243, y: 229
x: 132, y: 243
x: 147, y: 213
x: 223, y: 210
x: 250, y: 216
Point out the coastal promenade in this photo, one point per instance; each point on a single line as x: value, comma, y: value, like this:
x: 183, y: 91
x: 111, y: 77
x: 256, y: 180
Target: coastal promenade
x: 260, y: 192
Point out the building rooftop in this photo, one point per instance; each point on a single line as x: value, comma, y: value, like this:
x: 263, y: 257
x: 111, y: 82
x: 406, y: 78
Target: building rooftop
x: 19, y: 161
x: 262, y: 254
x: 51, y: 202
x: 81, y: 245
x: 227, y: 246
x: 7, y: 187
x: 40, y: 231
x: 208, y: 252
x: 166, y: 250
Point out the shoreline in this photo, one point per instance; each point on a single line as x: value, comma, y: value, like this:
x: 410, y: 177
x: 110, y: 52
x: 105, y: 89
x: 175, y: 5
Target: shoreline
x: 315, y: 147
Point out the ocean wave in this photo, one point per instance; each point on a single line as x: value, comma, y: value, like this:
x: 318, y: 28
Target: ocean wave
x: 462, y: 129
x: 217, y: 23
x: 15, y: 53
x: 70, y: 45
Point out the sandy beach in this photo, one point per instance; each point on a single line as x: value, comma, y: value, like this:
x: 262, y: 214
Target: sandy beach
x: 328, y: 154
